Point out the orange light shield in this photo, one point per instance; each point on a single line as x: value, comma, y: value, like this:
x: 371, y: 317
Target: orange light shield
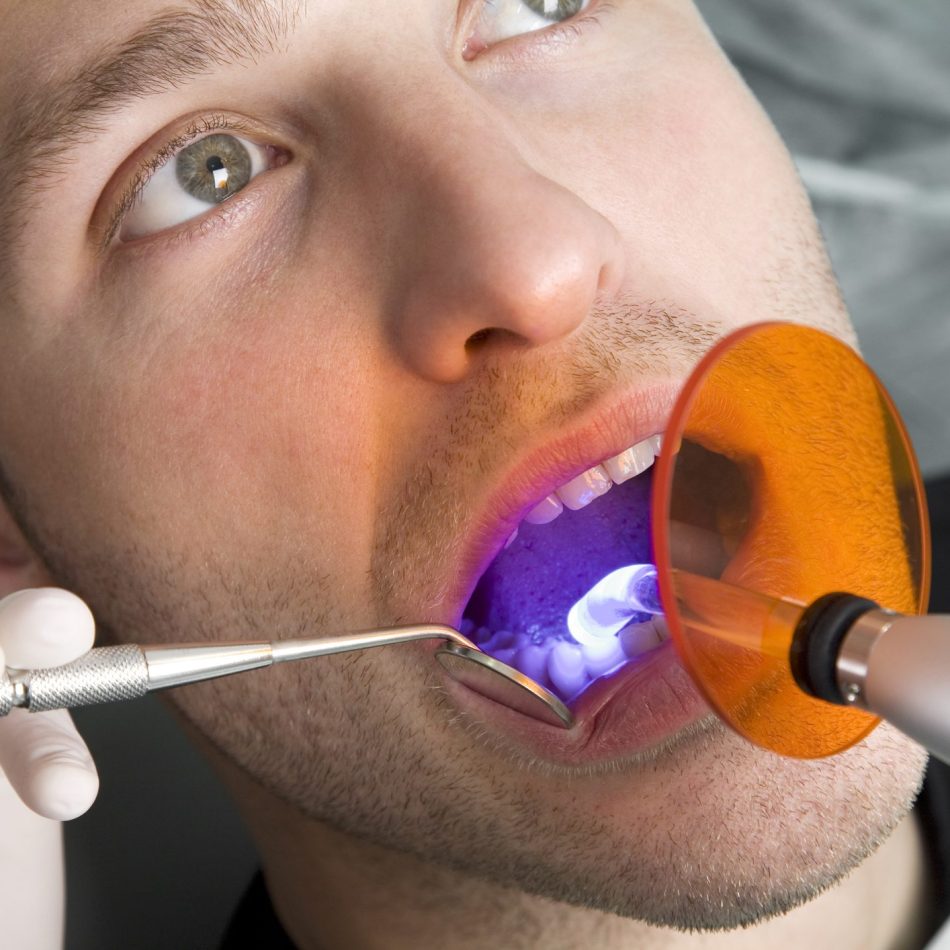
x: 786, y: 474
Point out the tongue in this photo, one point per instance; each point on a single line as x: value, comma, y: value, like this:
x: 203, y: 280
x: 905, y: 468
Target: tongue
x: 531, y: 585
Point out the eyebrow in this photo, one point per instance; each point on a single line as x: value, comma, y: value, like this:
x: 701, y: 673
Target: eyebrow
x: 170, y: 49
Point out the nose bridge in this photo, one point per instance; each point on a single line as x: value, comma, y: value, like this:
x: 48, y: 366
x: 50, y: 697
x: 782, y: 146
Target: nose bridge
x: 487, y: 243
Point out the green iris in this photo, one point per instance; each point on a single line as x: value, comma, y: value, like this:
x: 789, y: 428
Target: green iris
x: 555, y: 10
x: 213, y: 168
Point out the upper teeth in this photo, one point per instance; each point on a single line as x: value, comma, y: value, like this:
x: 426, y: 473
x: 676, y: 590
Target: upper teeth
x: 582, y: 490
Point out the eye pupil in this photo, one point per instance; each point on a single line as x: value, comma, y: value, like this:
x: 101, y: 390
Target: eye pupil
x: 555, y: 10
x: 213, y: 168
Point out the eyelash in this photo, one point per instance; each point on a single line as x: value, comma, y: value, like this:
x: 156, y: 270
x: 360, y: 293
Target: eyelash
x: 147, y: 168
x: 586, y: 18
x: 567, y: 28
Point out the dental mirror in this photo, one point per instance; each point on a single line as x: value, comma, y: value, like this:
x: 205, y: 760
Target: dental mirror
x: 504, y: 684
x: 117, y: 673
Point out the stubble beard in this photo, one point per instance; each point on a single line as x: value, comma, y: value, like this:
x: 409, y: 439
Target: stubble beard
x: 706, y: 833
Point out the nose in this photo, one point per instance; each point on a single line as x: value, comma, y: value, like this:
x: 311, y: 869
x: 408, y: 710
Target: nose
x: 496, y: 256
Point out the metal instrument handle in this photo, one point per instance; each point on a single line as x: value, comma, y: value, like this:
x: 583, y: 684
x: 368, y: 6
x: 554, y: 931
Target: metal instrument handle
x: 899, y: 668
x: 112, y: 674
x: 103, y: 675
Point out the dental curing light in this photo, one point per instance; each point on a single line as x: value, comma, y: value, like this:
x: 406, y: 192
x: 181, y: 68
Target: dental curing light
x: 613, y: 602
x: 787, y: 477
x: 788, y: 480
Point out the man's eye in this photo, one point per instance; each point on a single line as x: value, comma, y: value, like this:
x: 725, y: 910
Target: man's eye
x: 555, y: 9
x: 200, y: 176
x: 503, y: 19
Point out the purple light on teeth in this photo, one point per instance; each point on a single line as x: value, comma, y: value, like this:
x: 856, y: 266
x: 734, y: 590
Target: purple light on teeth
x: 518, y: 611
x: 613, y: 602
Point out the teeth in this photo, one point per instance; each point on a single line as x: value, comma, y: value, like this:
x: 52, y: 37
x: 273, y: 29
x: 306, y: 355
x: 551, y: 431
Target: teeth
x: 633, y: 461
x: 602, y: 656
x: 545, y: 511
x: 532, y: 660
x: 596, y: 481
x: 581, y: 491
x: 566, y: 668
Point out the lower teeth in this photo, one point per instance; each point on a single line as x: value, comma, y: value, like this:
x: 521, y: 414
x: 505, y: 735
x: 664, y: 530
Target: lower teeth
x: 532, y: 584
x: 558, y: 662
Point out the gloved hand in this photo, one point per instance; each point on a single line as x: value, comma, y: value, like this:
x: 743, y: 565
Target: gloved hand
x: 47, y: 766
x: 42, y: 755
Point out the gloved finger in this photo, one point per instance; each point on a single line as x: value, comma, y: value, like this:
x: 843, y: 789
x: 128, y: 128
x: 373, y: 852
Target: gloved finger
x: 48, y: 763
x: 31, y: 876
x: 45, y: 626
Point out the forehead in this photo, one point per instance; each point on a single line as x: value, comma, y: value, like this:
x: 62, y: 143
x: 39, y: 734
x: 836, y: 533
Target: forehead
x: 135, y: 50
x: 46, y: 40
x: 48, y: 37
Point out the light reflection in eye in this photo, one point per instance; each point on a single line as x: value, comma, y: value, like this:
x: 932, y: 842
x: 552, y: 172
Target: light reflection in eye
x: 197, y: 178
x: 503, y: 19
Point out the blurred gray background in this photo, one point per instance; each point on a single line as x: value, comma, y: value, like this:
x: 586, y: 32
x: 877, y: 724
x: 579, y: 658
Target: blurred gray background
x: 860, y: 89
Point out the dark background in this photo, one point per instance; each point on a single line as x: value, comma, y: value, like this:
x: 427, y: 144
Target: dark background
x: 860, y: 89
x: 938, y: 497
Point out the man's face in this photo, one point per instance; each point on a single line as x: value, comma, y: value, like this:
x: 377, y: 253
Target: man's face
x: 477, y: 252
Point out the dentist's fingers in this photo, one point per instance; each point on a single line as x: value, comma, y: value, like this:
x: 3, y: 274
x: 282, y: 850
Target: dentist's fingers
x: 46, y: 626
x: 32, y: 895
x: 47, y: 762
x: 42, y: 755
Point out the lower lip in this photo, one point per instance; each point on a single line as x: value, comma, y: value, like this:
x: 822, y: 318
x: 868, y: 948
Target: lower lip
x: 631, y: 711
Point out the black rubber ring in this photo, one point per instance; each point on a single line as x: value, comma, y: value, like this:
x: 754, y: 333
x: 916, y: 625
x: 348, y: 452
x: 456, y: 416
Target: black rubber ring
x: 817, y: 642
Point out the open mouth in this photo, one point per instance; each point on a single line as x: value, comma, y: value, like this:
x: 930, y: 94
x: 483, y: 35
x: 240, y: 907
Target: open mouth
x: 590, y: 526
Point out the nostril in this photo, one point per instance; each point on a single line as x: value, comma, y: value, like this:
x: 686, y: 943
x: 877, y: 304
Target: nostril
x: 489, y: 339
x: 477, y: 339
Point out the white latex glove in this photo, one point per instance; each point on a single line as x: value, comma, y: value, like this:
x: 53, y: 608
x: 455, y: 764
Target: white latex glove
x: 47, y: 768
x: 42, y: 755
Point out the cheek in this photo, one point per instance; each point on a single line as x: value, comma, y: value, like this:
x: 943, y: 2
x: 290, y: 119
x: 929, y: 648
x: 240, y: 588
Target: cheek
x: 698, y: 183
x: 715, y: 188
x: 267, y: 426
x: 246, y: 435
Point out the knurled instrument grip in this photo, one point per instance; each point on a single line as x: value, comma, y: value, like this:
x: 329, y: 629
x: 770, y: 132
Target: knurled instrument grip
x: 112, y: 674
x: 104, y: 675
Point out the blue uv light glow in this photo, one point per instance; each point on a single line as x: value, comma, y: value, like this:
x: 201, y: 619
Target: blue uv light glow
x: 518, y: 611
x: 613, y: 602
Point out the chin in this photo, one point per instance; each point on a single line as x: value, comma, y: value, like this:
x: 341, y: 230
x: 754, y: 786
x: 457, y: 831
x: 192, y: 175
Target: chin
x: 709, y: 833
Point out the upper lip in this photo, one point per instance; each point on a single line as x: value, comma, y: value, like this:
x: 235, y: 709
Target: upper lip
x: 604, y: 431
